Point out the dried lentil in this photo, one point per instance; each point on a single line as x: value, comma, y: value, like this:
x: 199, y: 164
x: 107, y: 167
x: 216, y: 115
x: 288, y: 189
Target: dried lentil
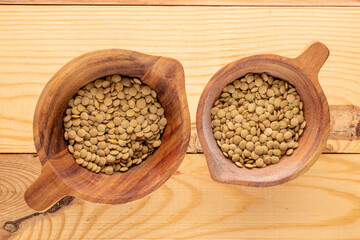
x: 257, y: 120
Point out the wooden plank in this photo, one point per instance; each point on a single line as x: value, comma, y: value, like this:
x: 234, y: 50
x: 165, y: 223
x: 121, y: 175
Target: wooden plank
x: 324, y: 203
x: 37, y: 40
x: 344, y: 132
x: 190, y: 2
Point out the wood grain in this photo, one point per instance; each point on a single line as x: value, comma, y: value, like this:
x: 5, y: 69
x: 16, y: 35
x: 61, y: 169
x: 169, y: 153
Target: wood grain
x: 190, y: 2
x: 324, y: 203
x: 36, y: 41
x: 302, y: 73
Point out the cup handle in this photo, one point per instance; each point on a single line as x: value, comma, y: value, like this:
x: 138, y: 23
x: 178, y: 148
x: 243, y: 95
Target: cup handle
x: 47, y: 190
x: 311, y: 59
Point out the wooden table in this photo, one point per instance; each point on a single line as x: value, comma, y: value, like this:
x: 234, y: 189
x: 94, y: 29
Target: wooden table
x: 38, y: 37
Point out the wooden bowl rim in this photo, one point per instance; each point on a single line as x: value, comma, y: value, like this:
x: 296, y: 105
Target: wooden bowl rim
x: 221, y: 175
x: 174, y: 66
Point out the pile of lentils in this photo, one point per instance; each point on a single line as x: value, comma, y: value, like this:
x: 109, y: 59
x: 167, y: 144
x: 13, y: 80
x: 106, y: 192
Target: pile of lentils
x: 113, y: 124
x: 257, y: 120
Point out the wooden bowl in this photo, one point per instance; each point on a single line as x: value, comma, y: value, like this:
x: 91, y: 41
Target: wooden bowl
x: 61, y: 176
x: 302, y: 72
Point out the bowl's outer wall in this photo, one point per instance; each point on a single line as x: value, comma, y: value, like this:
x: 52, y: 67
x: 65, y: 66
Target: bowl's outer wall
x: 164, y: 75
x: 311, y: 143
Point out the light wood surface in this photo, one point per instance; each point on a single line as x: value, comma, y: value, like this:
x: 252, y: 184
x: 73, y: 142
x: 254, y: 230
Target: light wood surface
x: 302, y: 73
x: 324, y: 203
x: 61, y: 176
x: 36, y: 41
x: 191, y: 2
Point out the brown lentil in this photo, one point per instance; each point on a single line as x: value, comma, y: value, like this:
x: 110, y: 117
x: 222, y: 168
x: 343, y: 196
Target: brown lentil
x: 112, y: 121
x: 257, y: 120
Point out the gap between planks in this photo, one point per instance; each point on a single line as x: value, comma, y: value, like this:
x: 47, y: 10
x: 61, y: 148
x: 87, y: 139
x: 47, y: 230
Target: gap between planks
x: 206, y: 3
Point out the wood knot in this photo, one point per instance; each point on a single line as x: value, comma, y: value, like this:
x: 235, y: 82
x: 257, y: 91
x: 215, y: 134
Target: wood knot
x: 11, y: 227
x: 357, y: 129
x: 63, y: 202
